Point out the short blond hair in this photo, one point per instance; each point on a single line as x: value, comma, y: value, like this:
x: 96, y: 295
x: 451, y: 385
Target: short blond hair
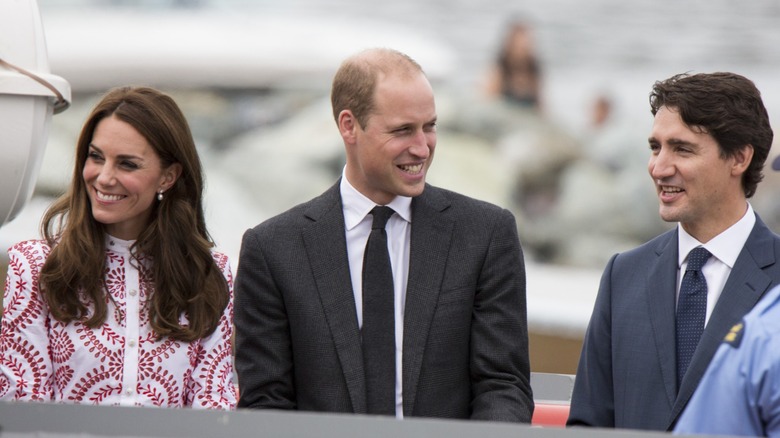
x: 356, y: 79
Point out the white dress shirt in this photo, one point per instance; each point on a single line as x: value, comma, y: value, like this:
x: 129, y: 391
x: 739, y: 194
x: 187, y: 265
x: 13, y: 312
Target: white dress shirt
x: 725, y: 248
x: 358, y: 226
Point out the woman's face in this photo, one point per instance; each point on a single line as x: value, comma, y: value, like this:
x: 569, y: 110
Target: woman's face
x: 123, y: 174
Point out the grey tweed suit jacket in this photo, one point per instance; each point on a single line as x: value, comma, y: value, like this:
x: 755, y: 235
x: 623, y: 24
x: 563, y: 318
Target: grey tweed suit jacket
x: 627, y: 375
x: 465, y: 344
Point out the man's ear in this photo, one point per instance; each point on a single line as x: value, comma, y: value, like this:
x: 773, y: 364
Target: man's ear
x: 742, y: 159
x: 348, y: 126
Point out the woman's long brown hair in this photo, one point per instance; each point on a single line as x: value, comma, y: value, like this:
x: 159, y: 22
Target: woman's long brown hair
x: 186, y: 278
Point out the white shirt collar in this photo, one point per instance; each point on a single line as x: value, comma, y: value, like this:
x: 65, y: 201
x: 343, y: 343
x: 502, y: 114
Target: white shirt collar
x: 726, y: 246
x: 118, y: 245
x: 356, y: 205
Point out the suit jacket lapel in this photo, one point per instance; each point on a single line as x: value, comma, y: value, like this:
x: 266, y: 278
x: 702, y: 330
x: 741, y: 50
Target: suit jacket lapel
x: 430, y: 242
x: 746, y: 284
x: 661, y: 292
x: 325, y: 241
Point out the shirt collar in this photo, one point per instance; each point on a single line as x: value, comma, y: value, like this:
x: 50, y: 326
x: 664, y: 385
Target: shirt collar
x: 356, y: 205
x: 118, y: 245
x: 726, y: 246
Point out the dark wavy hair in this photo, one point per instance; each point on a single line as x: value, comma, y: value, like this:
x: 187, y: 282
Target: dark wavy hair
x: 726, y: 106
x: 355, y: 81
x: 186, y: 278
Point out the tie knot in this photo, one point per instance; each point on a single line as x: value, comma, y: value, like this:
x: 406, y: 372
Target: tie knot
x: 697, y: 258
x: 381, y: 215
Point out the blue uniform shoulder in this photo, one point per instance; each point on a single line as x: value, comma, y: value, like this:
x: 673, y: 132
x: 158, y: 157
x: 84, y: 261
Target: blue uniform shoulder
x: 767, y: 311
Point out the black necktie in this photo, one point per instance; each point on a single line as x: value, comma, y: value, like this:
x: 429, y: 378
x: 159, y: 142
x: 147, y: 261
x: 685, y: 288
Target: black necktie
x: 378, y: 330
x: 691, y: 309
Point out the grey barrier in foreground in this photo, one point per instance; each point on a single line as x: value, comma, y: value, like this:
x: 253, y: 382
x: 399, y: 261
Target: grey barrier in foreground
x: 50, y: 420
x: 46, y: 420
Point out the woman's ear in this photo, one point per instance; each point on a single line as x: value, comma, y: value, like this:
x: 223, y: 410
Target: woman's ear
x: 170, y: 175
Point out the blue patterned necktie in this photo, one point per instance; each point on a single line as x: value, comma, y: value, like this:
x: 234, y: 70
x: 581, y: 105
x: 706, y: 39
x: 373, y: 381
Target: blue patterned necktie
x: 691, y: 310
x: 378, y: 332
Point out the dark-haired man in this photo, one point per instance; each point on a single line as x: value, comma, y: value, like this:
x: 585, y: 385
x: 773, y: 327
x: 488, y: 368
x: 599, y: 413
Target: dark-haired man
x: 662, y: 308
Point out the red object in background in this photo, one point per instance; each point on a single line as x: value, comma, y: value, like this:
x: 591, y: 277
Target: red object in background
x: 550, y: 414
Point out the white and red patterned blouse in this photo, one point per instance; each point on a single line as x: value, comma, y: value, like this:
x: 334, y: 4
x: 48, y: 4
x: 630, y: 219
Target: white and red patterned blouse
x: 117, y: 363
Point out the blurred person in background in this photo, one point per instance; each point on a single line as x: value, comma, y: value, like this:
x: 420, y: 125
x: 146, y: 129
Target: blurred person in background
x: 528, y: 146
x: 516, y: 74
x: 662, y: 308
x: 613, y: 166
x: 124, y: 301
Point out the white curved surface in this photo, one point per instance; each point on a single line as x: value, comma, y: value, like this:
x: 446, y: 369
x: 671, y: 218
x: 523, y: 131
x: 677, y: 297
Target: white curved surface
x: 26, y: 106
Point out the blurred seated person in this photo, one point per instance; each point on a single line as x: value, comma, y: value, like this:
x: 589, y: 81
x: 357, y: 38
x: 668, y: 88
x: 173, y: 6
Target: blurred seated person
x: 516, y: 75
x: 124, y: 301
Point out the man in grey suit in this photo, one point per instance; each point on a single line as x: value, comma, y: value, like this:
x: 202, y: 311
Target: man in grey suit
x: 461, y: 341
x: 709, y: 141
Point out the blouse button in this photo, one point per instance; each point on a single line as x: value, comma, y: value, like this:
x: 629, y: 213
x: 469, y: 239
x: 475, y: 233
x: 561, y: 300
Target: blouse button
x: 128, y: 392
x: 131, y: 344
x: 133, y: 292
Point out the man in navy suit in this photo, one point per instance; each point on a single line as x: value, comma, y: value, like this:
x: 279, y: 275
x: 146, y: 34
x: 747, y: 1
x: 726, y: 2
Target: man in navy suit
x: 709, y: 141
x: 461, y: 340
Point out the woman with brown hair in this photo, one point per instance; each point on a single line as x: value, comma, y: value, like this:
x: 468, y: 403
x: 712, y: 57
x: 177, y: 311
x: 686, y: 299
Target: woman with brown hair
x: 124, y: 302
x: 516, y: 73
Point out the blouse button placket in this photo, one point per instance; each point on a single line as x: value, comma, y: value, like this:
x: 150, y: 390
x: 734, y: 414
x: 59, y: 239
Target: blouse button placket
x: 132, y: 321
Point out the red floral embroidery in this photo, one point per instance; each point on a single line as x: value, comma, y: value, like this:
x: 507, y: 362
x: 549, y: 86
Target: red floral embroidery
x: 61, y: 345
x: 115, y: 282
x: 156, y: 397
x: 5, y: 385
x: 28, y: 368
x: 43, y: 359
x: 103, y: 393
x: 62, y: 377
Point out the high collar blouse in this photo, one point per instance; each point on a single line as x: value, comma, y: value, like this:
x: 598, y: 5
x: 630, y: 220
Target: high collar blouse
x: 118, y: 363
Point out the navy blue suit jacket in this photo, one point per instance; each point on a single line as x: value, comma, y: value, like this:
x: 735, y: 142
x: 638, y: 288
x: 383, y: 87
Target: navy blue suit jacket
x: 627, y: 372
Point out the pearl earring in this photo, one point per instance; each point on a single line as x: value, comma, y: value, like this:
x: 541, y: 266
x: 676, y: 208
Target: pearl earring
x: 160, y: 195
